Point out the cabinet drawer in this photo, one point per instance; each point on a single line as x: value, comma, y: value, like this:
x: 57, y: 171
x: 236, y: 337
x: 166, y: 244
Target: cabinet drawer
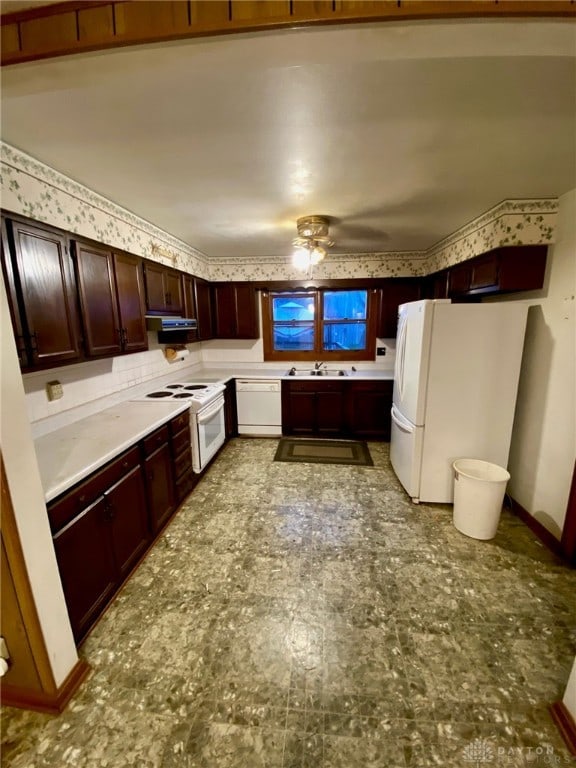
x: 155, y: 440
x: 181, y: 441
x: 179, y: 423
x: 320, y: 385
x: 85, y: 493
x: 183, y: 462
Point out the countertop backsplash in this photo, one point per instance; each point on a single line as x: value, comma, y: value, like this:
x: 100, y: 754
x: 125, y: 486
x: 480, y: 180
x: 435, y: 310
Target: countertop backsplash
x: 90, y: 387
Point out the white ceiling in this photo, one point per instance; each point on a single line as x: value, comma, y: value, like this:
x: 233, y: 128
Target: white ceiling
x: 402, y: 133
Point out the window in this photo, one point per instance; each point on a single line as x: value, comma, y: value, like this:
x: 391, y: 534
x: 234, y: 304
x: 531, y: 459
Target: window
x: 309, y: 325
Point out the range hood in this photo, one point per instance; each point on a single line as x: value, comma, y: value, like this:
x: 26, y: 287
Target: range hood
x: 159, y: 323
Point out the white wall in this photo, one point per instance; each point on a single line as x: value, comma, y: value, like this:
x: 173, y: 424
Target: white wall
x: 544, y: 435
x: 85, y: 384
x: 27, y: 495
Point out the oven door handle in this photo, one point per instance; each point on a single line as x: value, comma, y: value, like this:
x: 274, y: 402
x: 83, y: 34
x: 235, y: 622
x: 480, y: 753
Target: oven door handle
x: 207, y: 413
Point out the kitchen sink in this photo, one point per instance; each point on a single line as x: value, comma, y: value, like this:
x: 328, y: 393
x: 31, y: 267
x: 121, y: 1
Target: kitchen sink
x: 319, y: 372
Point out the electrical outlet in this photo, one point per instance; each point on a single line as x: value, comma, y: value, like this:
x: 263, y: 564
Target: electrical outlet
x: 380, y: 351
x: 54, y: 390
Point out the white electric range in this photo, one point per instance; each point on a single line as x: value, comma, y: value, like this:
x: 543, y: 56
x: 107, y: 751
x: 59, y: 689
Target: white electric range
x: 207, y: 426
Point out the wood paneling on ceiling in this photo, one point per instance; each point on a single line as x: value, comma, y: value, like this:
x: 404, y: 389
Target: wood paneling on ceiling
x: 75, y: 27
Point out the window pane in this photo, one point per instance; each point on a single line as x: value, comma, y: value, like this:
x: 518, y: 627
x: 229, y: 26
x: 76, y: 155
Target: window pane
x: 345, y: 305
x: 344, y: 336
x: 293, y: 337
x: 292, y: 308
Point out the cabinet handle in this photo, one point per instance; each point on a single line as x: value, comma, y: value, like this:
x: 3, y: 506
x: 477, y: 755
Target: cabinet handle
x: 108, y: 511
x: 125, y: 464
x: 34, y: 341
x: 124, y: 336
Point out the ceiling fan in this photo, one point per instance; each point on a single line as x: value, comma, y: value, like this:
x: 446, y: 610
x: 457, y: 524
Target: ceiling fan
x: 312, y: 241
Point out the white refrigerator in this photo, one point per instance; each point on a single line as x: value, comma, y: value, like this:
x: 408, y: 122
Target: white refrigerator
x: 455, y: 383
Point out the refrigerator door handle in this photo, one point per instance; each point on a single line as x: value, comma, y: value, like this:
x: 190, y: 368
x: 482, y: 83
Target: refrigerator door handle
x: 401, y: 423
x: 401, y: 355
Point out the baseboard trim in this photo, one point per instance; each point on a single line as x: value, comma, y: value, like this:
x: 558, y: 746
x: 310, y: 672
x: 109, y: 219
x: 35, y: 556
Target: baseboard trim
x: 565, y: 722
x: 41, y: 701
x: 547, y: 538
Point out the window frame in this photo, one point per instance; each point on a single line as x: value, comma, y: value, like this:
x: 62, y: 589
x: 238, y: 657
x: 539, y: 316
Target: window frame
x: 270, y: 354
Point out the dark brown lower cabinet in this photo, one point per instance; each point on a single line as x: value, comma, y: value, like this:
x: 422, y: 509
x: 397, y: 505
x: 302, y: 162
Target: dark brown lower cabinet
x: 184, y: 477
x: 104, y: 525
x: 160, y: 490
x: 369, y: 404
x: 86, y: 563
x: 359, y: 409
x: 313, y: 408
x: 128, y: 521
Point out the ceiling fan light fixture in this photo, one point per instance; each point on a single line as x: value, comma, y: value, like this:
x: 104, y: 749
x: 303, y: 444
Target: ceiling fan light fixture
x: 312, y: 241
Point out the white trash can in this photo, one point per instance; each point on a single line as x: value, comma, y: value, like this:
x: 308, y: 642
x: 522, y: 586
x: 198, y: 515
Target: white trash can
x: 479, y: 489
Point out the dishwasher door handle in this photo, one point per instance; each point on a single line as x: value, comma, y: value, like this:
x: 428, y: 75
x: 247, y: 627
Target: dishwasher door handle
x: 257, y: 386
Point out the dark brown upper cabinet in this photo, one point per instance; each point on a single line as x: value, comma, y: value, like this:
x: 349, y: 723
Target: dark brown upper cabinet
x: 235, y: 311
x: 111, y: 300
x: 41, y: 289
x: 131, y: 304
x: 189, y: 304
x: 203, y: 301
x: 396, y: 291
x: 459, y: 279
x: 163, y: 289
x: 507, y: 269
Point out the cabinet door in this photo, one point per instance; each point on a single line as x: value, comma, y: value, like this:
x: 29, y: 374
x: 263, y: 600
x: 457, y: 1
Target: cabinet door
x: 189, y: 303
x: 155, y: 287
x: 224, y: 310
x: 10, y: 283
x: 174, y: 298
x: 203, y: 297
x: 129, y: 523
x: 131, y: 306
x: 298, y: 412
x: 160, y: 486
x: 97, y: 286
x: 394, y: 293
x: 459, y: 279
x: 484, y: 272
x: 522, y: 267
x: 86, y: 565
x: 48, y: 293
x: 329, y: 408
x: 369, y: 405
x: 246, y: 311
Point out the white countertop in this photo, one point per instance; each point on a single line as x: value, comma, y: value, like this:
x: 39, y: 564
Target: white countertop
x: 71, y: 453
x: 213, y: 374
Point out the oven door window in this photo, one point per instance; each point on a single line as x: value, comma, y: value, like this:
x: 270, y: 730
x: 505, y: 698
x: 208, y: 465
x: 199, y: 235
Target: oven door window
x: 211, y: 431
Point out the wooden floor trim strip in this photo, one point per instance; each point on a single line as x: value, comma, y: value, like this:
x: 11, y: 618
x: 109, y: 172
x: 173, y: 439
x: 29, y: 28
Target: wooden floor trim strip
x: 49, y: 703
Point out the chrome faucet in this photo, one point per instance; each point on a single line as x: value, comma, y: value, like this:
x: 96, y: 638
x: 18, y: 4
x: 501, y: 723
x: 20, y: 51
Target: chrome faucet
x: 318, y: 365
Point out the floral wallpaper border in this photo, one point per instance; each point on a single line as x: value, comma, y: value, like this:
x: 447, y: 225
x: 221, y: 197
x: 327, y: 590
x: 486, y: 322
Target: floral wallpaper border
x: 511, y: 222
x: 33, y: 189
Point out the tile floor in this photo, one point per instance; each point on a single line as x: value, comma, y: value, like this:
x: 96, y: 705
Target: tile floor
x: 305, y: 615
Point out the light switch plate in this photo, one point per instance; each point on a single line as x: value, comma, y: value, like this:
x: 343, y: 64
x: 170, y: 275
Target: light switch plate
x: 54, y: 390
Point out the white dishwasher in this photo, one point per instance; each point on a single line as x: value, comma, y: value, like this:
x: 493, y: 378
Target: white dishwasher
x: 259, y: 406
